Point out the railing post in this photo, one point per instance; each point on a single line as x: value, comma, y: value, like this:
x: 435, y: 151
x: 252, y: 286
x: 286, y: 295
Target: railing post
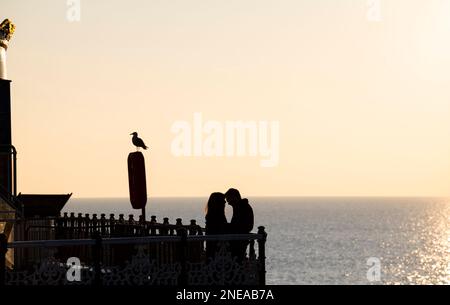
x: 86, y: 226
x: 262, y: 256
x: 193, y: 227
x: 183, y: 279
x: 179, y: 226
x: 94, y: 224
x: 3, y: 250
x: 97, y: 253
x: 80, y: 226
x: 64, y: 226
x: 112, y: 226
x: 152, y: 225
x: 130, y: 226
x: 72, y: 225
x: 103, y: 224
x: 120, y: 227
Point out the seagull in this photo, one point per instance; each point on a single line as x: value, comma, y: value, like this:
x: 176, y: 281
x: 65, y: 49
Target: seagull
x: 138, y: 141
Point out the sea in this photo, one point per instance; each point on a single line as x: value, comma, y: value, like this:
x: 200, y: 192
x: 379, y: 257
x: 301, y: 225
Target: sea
x: 337, y: 241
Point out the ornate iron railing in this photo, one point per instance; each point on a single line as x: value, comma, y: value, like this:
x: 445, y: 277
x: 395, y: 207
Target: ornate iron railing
x: 140, y: 261
x: 82, y: 226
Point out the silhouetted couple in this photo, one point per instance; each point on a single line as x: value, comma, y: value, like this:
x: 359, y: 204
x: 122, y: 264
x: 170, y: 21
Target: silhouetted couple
x: 216, y: 221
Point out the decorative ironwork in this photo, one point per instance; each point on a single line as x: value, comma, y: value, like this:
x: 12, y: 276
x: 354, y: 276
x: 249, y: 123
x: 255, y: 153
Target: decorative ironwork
x: 142, y: 270
x: 51, y: 272
x: 223, y: 269
x: 153, y: 260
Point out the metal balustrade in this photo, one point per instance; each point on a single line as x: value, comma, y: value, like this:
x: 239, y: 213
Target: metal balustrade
x: 175, y: 258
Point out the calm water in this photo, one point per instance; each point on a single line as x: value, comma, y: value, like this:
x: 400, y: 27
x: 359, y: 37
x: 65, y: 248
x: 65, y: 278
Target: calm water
x: 329, y: 240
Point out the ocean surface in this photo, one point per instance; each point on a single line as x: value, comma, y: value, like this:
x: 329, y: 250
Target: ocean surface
x: 330, y: 240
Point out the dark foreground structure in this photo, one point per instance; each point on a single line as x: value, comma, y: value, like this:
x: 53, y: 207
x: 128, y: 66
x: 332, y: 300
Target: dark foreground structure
x: 38, y: 246
x: 84, y: 250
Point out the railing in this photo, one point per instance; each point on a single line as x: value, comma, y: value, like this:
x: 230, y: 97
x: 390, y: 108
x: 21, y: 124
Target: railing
x: 83, y: 227
x: 143, y: 267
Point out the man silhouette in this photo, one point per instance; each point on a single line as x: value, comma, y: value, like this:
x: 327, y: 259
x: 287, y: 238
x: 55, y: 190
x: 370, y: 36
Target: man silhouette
x: 241, y: 223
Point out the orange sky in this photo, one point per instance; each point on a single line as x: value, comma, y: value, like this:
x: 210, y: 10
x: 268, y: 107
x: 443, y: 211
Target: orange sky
x: 363, y: 107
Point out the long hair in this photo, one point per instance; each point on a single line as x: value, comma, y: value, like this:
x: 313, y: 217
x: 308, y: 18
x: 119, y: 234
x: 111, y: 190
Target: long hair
x: 215, y: 206
x: 234, y: 193
x: 216, y: 221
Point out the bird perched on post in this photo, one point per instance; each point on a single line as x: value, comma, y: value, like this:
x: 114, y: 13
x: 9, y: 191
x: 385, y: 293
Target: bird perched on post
x: 138, y: 141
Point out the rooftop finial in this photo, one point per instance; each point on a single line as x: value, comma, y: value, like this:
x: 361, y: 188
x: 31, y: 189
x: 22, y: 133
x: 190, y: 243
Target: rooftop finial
x: 7, y: 29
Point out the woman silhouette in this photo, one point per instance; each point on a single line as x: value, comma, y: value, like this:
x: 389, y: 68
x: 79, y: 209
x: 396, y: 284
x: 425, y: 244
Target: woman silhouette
x: 216, y: 221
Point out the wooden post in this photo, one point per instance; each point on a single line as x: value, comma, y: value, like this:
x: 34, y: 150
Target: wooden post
x: 262, y: 256
x: 137, y: 181
x: 3, y: 250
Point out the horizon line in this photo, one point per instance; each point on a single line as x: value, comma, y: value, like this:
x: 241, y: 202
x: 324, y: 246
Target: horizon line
x: 281, y: 196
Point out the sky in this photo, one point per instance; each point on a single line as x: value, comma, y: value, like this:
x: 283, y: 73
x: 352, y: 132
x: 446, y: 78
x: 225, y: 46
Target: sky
x: 362, y: 103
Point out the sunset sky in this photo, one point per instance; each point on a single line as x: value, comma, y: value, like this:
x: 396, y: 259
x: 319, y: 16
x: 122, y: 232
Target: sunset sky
x: 363, y: 106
